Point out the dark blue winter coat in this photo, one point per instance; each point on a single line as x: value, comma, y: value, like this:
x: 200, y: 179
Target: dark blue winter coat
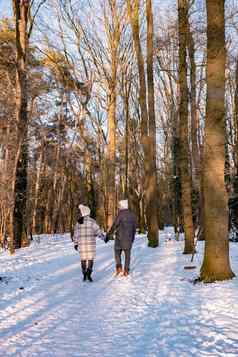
x: 124, y: 226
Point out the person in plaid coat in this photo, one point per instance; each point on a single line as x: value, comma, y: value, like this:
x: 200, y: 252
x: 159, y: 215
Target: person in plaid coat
x: 85, y: 232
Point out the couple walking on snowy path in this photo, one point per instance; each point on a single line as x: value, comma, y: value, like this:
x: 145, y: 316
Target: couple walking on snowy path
x: 87, y: 230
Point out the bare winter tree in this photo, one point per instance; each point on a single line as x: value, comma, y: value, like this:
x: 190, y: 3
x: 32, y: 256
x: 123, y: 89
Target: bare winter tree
x: 184, y: 152
x: 18, y: 146
x: 216, y: 265
x: 147, y: 137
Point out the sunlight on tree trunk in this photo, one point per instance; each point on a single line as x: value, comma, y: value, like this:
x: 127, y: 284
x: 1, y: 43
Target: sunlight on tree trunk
x: 185, y: 170
x: 147, y: 141
x: 216, y: 265
x: 152, y: 207
x: 113, y: 34
x: 21, y: 11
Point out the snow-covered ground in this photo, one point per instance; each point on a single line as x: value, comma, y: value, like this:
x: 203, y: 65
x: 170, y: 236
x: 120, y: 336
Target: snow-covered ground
x: 46, y: 309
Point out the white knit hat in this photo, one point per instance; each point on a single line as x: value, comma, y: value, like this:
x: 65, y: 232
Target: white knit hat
x: 123, y: 204
x: 85, y: 211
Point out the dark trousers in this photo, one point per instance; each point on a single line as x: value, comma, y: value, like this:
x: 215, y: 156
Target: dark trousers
x: 87, y: 265
x: 127, y: 253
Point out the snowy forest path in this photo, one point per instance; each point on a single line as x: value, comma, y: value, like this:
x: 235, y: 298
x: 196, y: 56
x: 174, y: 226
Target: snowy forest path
x: 47, y: 310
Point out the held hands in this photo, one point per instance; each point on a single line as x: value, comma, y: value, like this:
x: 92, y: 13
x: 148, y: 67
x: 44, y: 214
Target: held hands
x: 107, y: 238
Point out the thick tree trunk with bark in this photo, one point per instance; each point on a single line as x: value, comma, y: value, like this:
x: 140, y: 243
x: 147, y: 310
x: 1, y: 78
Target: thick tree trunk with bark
x: 235, y: 183
x: 185, y: 171
x: 111, y: 155
x: 195, y: 158
x: 233, y: 201
x: 113, y: 32
x: 39, y: 171
x: 152, y: 204
x: 126, y: 95
x: 194, y: 111
x: 176, y: 186
x: 20, y: 230
x: 52, y: 201
x: 216, y: 264
x: 150, y: 183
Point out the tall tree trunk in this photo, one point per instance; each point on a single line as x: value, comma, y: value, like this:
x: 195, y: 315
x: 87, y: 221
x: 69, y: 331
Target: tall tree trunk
x: 5, y: 138
x: 113, y: 32
x: 46, y: 225
x: 185, y: 172
x: 216, y: 264
x: 236, y: 133
x: 21, y: 11
x: 126, y: 85
x: 150, y: 194
x: 70, y: 185
x: 111, y: 155
x: 58, y: 204
x: 233, y: 202
x: 58, y: 175
x: 89, y: 182
x: 39, y: 170
x: 195, y: 162
x: 55, y: 189
x: 127, y: 137
x: 101, y: 196
x: 176, y: 183
x: 152, y: 206
x: 194, y: 112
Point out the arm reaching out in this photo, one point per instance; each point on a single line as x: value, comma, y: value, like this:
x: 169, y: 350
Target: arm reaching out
x: 76, y: 237
x: 114, y: 225
x: 113, y: 228
x: 98, y: 232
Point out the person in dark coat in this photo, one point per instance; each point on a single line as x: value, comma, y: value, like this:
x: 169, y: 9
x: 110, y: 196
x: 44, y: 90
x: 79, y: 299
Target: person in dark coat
x: 85, y: 232
x: 124, y: 226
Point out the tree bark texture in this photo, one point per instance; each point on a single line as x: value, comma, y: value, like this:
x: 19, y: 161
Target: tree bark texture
x: 150, y: 184
x: 216, y: 264
x: 20, y: 230
x: 185, y: 171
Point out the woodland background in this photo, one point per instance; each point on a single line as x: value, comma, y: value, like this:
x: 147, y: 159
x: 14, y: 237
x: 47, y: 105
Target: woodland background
x: 114, y: 99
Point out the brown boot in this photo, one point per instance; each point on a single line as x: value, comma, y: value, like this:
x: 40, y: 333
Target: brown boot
x: 118, y: 270
x: 125, y: 273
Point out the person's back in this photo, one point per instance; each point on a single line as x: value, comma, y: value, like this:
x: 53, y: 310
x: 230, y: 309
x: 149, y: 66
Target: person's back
x: 85, y: 232
x: 126, y: 229
x: 124, y: 226
x: 88, y: 229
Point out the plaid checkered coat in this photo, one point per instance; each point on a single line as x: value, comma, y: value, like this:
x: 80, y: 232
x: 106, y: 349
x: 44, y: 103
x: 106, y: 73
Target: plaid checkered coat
x: 85, y: 237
